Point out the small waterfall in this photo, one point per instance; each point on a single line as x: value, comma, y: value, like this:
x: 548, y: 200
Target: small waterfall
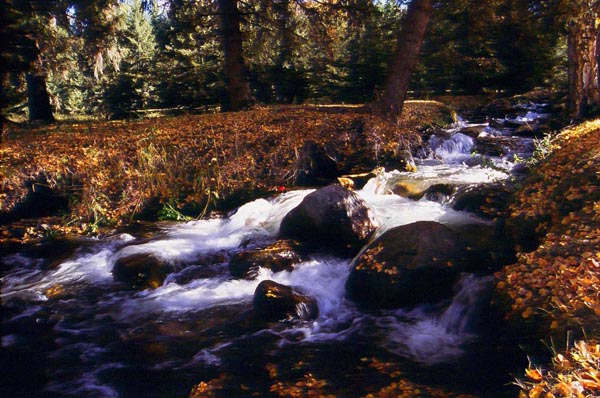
x: 462, y: 314
x: 457, y: 147
x: 430, y: 337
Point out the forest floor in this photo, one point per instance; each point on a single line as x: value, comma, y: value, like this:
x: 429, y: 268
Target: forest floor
x: 83, y: 177
x: 101, y: 175
x: 553, y: 290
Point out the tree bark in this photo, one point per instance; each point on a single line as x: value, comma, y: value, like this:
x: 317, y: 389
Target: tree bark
x: 38, y: 99
x: 391, y: 101
x: 237, y: 89
x: 582, y: 55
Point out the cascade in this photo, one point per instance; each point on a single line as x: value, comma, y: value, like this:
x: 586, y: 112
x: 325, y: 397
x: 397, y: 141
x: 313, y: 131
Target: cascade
x: 192, y: 326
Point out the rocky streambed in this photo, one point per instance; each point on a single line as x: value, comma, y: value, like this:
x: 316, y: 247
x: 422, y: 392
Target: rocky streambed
x: 382, y: 289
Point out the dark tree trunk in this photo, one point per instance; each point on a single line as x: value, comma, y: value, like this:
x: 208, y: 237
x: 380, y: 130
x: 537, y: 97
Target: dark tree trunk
x: 391, y: 100
x: 237, y: 89
x: 583, y: 69
x: 283, y: 76
x: 38, y: 100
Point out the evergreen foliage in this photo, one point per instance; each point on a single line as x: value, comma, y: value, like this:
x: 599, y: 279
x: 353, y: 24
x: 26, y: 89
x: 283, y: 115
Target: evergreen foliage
x: 120, y: 59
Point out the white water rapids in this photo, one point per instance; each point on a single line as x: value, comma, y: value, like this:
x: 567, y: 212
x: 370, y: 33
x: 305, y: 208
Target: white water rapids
x: 428, y: 335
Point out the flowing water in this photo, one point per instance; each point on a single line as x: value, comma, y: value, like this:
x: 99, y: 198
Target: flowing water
x: 71, y: 331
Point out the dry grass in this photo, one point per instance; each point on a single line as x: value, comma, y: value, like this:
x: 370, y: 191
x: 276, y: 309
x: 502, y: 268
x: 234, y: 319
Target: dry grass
x: 575, y: 373
x: 113, y: 172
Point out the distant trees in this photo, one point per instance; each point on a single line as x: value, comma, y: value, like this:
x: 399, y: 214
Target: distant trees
x: 131, y: 86
x: 119, y: 58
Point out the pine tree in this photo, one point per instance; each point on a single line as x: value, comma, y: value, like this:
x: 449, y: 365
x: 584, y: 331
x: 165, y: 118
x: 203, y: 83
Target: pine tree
x: 132, y: 87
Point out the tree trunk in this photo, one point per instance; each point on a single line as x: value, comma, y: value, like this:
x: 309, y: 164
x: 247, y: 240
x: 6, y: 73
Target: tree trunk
x: 583, y: 72
x: 391, y: 101
x: 237, y: 89
x: 38, y: 100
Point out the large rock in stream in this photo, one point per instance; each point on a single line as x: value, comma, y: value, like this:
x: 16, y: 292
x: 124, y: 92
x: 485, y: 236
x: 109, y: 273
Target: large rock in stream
x: 278, y: 256
x: 331, y: 218
x: 407, y: 266
x: 488, y: 201
x: 141, y: 271
x: 275, y: 302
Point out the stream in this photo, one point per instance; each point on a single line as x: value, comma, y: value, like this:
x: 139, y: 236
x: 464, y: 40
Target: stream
x: 70, y: 330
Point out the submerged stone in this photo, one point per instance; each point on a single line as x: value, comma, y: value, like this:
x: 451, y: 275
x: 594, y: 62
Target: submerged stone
x: 141, y: 271
x: 278, y: 256
x: 274, y: 302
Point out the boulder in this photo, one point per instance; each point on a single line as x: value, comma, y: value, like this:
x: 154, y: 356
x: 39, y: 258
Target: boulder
x: 275, y: 302
x: 331, y: 218
x: 407, y: 266
x: 532, y: 129
x: 315, y: 167
x: 411, y: 189
x: 487, y: 247
x: 281, y: 255
x: 473, y: 131
x: 402, y: 160
x: 495, y: 146
x: 141, y: 271
x: 440, y: 193
x: 487, y: 200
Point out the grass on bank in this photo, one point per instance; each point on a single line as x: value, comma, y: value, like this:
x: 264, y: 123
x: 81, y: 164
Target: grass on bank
x: 111, y: 173
x: 553, y: 290
x: 575, y: 373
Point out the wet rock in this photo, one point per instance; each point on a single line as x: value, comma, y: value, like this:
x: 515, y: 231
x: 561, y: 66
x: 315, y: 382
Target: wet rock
x: 435, y: 131
x: 529, y: 130
x: 495, y: 146
x: 141, y: 271
x: 519, y: 169
x: 315, y: 167
x: 281, y: 255
x: 440, y: 193
x: 402, y: 160
x: 411, y: 189
x: 487, y: 247
x: 274, y: 302
x: 53, y: 252
x: 473, y: 131
x: 487, y: 200
x: 331, y: 218
x: 527, y: 232
x: 406, y: 266
x: 195, y: 272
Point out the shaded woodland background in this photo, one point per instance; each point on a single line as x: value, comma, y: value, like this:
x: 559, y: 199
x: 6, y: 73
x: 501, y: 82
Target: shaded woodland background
x: 123, y: 59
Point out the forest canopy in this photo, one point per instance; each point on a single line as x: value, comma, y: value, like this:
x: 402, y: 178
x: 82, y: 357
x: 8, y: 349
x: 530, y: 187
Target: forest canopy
x: 121, y: 59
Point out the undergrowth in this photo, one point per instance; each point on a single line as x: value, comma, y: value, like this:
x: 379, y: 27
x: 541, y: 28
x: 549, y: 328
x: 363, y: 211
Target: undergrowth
x: 575, y: 373
x: 187, y: 166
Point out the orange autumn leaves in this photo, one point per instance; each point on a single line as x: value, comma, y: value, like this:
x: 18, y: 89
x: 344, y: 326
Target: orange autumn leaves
x: 575, y: 374
x: 111, y: 171
x: 559, y: 281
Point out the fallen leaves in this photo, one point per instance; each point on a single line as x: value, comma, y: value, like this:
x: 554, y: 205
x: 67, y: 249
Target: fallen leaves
x: 556, y: 286
x: 113, y: 171
x: 559, y: 281
x: 575, y: 374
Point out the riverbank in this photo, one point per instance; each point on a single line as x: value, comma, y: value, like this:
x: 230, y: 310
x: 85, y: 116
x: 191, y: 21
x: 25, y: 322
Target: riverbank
x: 76, y: 178
x: 87, y: 178
x: 552, y: 292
